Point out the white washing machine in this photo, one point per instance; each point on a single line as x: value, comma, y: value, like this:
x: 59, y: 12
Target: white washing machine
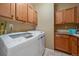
x: 29, y: 43
x: 41, y: 38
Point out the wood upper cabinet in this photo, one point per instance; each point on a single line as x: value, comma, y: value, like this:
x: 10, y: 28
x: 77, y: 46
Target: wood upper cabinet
x: 21, y: 12
x: 69, y: 15
x: 62, y: 43
x: 35, y: 17
x: 30, y: 14
x: 59, y: 17
x: 6, y: 10
x: 73, y: 45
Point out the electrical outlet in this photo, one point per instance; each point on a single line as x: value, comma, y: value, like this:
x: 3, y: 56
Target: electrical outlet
x: 10, y: 27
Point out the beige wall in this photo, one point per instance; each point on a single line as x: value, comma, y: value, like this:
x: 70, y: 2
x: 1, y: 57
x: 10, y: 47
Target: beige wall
x: 60, y: 6
x: 17, y: 26
x: 46, y: 21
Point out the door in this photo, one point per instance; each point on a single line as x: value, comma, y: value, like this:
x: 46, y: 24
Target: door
x: 5, y: 10
x: 21, y: 12
x: 59, y: 17
x: 69, y: 15
x: 62, y: 43
x: 73, y: 45
x: 30, y: 14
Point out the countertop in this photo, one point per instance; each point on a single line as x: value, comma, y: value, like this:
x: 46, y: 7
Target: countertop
x: 76, y: 35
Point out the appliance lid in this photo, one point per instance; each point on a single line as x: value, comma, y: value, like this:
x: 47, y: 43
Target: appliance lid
x: 26, y: 35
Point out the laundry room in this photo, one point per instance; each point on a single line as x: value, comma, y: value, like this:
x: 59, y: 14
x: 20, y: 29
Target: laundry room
x: 26, y: 29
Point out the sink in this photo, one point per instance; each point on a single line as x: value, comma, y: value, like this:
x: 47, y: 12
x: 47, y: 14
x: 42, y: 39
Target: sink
x: 76, y: 35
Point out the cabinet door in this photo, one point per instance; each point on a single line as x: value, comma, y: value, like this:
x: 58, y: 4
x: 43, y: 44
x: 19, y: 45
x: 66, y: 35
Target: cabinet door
x: 62, y: 43
x: 77, y: 21
x: 73, y: 46
x: 78, y: 46
x: 35, y: 17
x: 5, y: 10
x: 59, y: 17
x: 30, y: 14
x: 19, y: 11
x: 69, y: 15
x: 24, y: 12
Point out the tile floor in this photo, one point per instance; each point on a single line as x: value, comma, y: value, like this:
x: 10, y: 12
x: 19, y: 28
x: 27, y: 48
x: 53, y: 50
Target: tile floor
x: 49, y: 52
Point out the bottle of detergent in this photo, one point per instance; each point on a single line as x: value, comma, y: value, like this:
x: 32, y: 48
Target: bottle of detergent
x: 72, y: 31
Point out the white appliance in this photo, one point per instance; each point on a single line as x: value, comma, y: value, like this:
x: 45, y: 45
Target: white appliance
x: 41, y: 38
x: 20, y: 44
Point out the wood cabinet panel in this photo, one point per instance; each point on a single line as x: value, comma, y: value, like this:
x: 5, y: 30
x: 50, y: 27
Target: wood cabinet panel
x: 35, y: 17
x: 69, y: 15
x: 78, y: 50
x: 25, y: 12
x: 73, y: 45
x: 78, y: 46
x: 62, y: 43
x: 5, y: 10
x: 59, y: 17
x: 77, y: 12
x: 19, y: 11
x: 30, y: 14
